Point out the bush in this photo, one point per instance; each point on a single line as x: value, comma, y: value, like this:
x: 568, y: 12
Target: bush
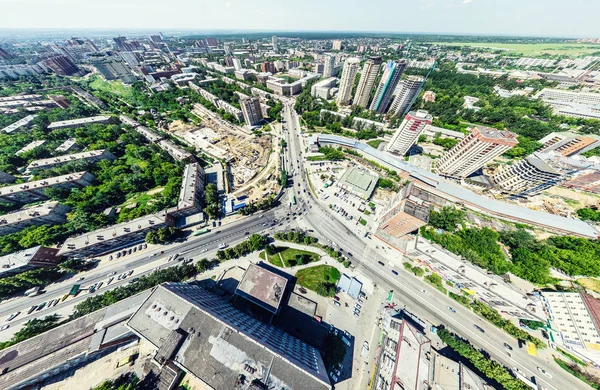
x: 253, y: 243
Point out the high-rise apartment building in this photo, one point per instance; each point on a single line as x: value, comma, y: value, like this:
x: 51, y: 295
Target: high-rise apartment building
x: 527, y: 177
x: 268, y: 67
x: 347, y: 81
x: 237, y: 64
x: 336, y: 44
x: 367, y: 81
x: 61, y: 65
x: 389, y: 80
x: 328, y: 66
x: 275, y: 43
x: 481, y: 146
x: 406, y: 135
x: 251, y: 110
x: 405, y: 94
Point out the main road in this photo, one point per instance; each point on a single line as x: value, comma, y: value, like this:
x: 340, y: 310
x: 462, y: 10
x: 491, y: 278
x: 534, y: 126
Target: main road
x: 418, y: 297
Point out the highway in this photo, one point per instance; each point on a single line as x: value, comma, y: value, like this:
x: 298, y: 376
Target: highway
x: 431, y: 305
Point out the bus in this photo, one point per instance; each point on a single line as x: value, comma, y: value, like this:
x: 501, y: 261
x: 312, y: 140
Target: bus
x: 294, y: 200
x: 202, y: 231
x: 75, y: 289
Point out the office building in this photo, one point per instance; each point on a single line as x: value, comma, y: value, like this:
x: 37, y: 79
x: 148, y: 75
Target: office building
x: 407, y: 134
x: 347, y: 81
x: 323, y: 88
x: 203, y: 333
x: 527, y: 177
x: 80, y: 122
x: 403, y: 215
x: 28, y: 259
x: 34, y: 191
x: 251, y: 110
x: 568, y: 143
x: 113, y: 68
x: 406, y: 92
x: 328, y: 66
x: 274, y: 42
x: 481, y: 146
x: 61, y: 65
x: 48, y: 213
x: 91, y: 156
x: 113, y: 237
x: 367, y: 81
x: 389, y: 80
x: 336, y: 44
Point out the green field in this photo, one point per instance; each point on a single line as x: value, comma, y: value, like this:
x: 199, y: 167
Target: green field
x: 313, y: 277
x: 289, y: 257
x: 534, y: 49
x: 114, y: 86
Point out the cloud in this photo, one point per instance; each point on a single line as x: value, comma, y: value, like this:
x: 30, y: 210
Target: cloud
x: 467, y: 1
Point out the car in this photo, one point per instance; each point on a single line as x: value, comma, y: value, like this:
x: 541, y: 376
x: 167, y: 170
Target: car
x: 451, y: 309
x: 112, y: 273
x: 540, y: 369
x: 4, y: 327
x: 508, y: 347
x: 336, y: 297
x: 144, y: 246
x: 129, y: 251
x: 381, y: 263
x: 357, y: 306
x: 479, y: 328
x: 140, y: 247
x: 110, y: 281
x: 336, y: 303
x: 110, y: 257
x: 134, y: 280
x: 366, y: 345
x: 13, y: 316
x: 120, y: 277
x: 99, y: 285
x: 32, y: 309
x: 247, y: 233
x: 333, y: 376
x: 118, y: 254
x: 130, y: 273
x: 395, y: 272
x: 356, y: 313
x: 222, y: 245
x: 41, y: 306
x: 360, y: 300
x: 423, y: 291
x: 81, y: 278
x: 135, y: 248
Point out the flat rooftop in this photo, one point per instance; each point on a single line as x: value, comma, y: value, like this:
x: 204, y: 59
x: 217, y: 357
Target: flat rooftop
x: 540, y: 165
x: 93, y: 154
x: 360, y: 181
x: 43, y: 183
x: 79, y: 121
x: 262, y: 287
x: 189, y: 186
x: 148, y: 134
x: 18, y: 124
x: 17, y: 259
x: 68, y: 144
x: 30, y: 146
x: 23, y: 215
x: 492, y: 133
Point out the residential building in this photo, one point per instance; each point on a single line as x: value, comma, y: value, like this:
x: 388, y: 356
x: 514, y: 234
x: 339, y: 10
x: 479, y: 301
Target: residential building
x: 75, y: 123
x: 21, y: 123
x: 28, y: 259
x: 251, y: 110
x: 568, y: 143
x: 403, y: 215
x: 61, y: 65
x: 6, y: 178
x: 367, y: 81
x: 268, y: 67
x: 275, y: 42
x: 177, y: 152
x: 527, y: 177
x: 202, y: 331
x: 434, y: 131
x: 66, y: 146
x: 30, y: 146
x: 33, y: 191
x: 323, y: 88
x: 347, y: 81
x: 191, y: 195
x: 237, y: 64
x: 407, y: 134
x: 406, y: 92
x: 113, y: 68
x: 328, y: 66
x: 481, y: 146
x: 236, y: 112
x: 91, y: 156
x: 389, y: 80
x: 113, y: 237
x: 336, y: 44
x: 48, y: 213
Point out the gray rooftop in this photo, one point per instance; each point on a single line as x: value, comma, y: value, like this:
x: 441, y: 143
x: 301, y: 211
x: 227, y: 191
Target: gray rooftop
x: 262, y: 286
x: 497, y: 208
x: 93, y: 154
x: 18, y: 124
x: 540, y: 165
x: 189, y: 185
x: 359, y: 180
x: 222, y: 343
x: 43, y: 183
x: 30, y: 146
x: 68, y: 144
x: 33, y: 212
x: 80, y: 121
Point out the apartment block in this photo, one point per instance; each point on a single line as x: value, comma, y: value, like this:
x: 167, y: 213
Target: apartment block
x: 324, y: 88
x: 30, y: 146
x: 328, y: 66
x: 18, y: 125
x: 251, y: 110
x: 389, y: 81
x: 568, y: 143
x: 33, y: 191
x: 177, y: 152
x: 349, y: 72
x: 91, y: 156
x: 407, y: 134
x: 406, y: 93
x: 66, y: 146
x: 28, y: 259
x: 49, y: 213
x: 367, y: 80
x: 236, y: 112
x: 404, y: 214
x: 191, y: 195
x: 336, y: 44
x: 75, y: 123
x: 481, y: 146
x: 527, y: 177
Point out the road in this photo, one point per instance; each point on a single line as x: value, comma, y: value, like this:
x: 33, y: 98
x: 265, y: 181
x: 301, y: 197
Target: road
x: 431, y: 304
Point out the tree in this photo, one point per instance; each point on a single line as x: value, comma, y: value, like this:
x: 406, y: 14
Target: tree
x: 448, y: 218
x: 211, y: 200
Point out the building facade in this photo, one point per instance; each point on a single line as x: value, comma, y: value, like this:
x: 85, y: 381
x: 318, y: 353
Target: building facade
x: 367, y: 81
x: 404, y: 215
x: 48, y: 213
x: 61, y: 65
x: 389, y: 81
x: 251, y: 110
x: 407, y: 134
x: 347, y: 81
x: 405, y: 93
x: 527, y: 177
x: 28, y: 259
x: 481, y: 146
x: 568, y: 143
x: 328, y: 66
x: 34, y: 191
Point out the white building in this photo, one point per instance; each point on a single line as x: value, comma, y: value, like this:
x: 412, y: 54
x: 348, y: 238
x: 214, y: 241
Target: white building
x: 328, y: 66
x: 407, y: 134
x: 237, y: 64
x: 347, y: 81
x: 477, y: 149
x: 336, y: 44
x: 367, y: 81
x: 323, y: 88
x: 405, y: 94
x: 527, y: 177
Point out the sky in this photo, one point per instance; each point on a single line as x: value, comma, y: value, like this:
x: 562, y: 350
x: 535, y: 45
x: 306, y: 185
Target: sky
x: 573, y: 18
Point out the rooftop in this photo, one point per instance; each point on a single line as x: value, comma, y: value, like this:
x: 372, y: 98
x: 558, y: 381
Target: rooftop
x: 360, y: 181
x: 17, y: 259
x: 43, y: 183
x: 38, y: 164
x: 189, y: 186
x: 18, y: 124
x: 79, y: 121
x: 492, y: 133
x: 540, y: 165
x: 28, y: 213
x: 262, y: 287
x: 65, y: 146
x: 30, y: 146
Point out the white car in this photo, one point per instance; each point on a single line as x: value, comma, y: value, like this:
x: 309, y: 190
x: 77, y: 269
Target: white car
x: 5, y: 327
x: 222, y: 245
x: 540, y: 369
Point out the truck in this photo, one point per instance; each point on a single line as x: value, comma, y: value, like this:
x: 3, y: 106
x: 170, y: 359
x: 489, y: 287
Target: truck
x: 201, y: 231
x: 75, y: 289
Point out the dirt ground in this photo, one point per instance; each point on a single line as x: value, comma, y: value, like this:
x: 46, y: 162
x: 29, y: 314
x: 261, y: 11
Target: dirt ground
x: 584, y: 199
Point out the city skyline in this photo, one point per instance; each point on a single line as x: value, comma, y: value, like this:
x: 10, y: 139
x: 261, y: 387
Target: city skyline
x: 510, y: 18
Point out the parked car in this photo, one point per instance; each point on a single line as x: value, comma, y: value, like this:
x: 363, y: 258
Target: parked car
x: 336, y: 303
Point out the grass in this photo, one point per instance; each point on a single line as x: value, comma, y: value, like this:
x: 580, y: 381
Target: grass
x: 374, y: 143
x: 575, y: 371
x: 573, y: 358
x: 286, y: 257
x: 533, y: 49
x: 590, y: 284
x: 312, y: 277
x: 114, y: 86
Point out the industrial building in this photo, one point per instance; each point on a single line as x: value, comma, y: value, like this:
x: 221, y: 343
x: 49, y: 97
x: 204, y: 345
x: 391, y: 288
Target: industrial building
x: 112, y: 68
x: 481, y: 146
x: 91, y: 156
x: 61, y: 65
x: 358, y: 182
x: 33, y: 191
x: 195, y: 330
x: 408, y: 133
x: 48, y: 213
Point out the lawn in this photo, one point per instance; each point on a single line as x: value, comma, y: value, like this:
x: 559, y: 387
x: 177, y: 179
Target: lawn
x: 114, y: 86
x: 590, y: 284
x: 533, y: 49
x: 289, y: 257
x: 374, y: 143
x: 313, y: 278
